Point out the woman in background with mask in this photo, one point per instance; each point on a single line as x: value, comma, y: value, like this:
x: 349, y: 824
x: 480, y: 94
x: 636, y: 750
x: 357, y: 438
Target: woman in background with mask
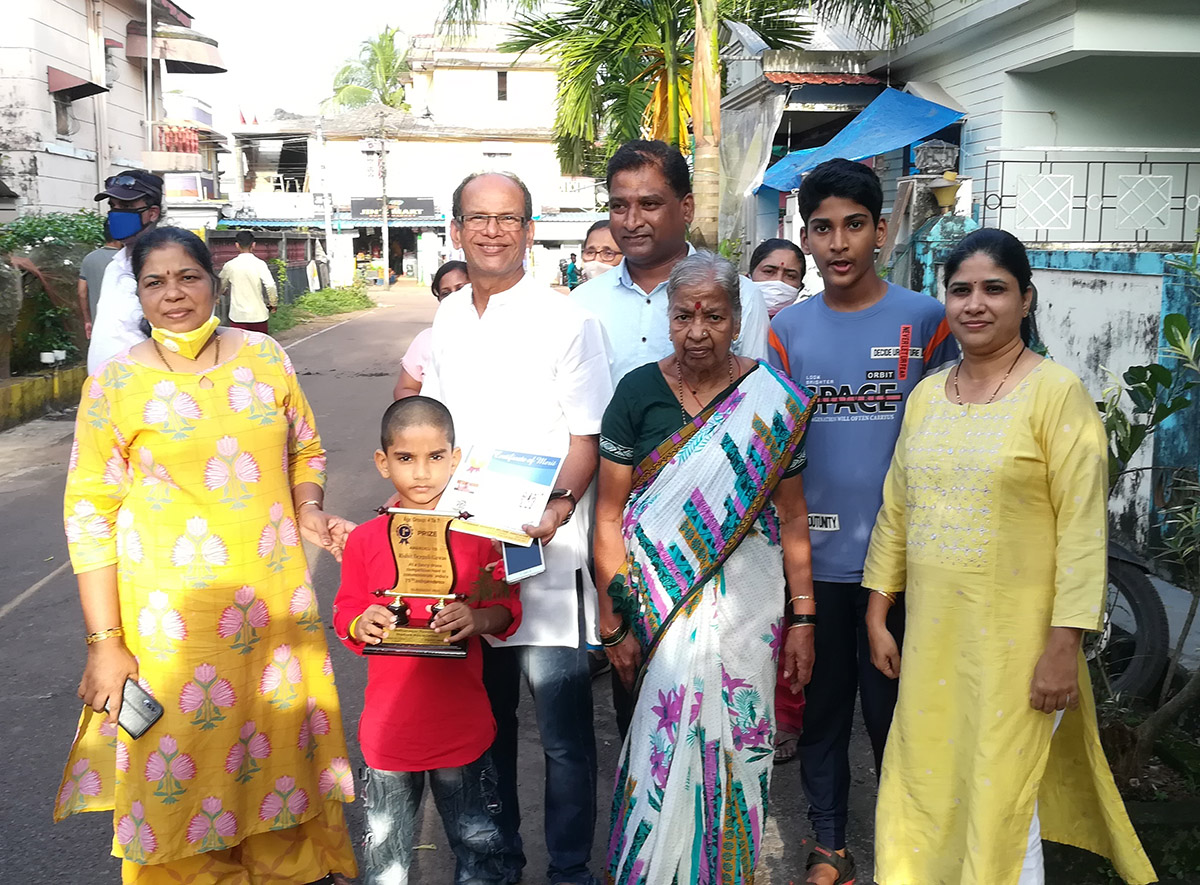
x: 778, y: 268
x: 600, y: 251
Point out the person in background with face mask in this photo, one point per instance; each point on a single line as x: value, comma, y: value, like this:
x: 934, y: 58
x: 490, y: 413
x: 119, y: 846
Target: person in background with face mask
x: 134, y: 208
x: 778, y: 268
x: 600, y: 251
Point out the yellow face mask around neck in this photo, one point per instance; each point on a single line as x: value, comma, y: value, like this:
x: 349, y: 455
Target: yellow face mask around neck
x: 187, y: 344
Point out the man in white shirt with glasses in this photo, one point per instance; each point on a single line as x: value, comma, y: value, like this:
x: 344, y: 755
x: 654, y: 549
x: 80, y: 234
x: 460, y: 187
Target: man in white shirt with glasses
x: 522, y: 367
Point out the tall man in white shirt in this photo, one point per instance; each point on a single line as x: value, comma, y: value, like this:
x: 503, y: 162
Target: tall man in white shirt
x: 650, y: 206
x: 134, y: 207
x: 245, y: 277
x: 522, y: 366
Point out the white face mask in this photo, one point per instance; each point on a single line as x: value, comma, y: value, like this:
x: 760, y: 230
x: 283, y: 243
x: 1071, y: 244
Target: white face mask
x: 777, y: 294
x: 593, y: 269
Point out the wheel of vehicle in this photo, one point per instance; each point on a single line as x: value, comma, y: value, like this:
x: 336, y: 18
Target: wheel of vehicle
x: 1134, y: 644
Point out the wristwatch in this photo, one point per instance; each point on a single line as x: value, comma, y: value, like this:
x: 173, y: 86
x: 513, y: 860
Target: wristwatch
x: 569, y: 496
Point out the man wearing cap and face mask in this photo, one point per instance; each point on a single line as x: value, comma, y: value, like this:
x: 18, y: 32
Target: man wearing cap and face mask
x: 134, y: 207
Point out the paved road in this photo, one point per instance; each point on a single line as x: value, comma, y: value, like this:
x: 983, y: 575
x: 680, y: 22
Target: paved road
x: 347, y: 370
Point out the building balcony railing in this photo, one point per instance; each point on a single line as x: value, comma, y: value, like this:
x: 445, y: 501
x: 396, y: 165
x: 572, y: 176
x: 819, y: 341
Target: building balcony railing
x: 1094, y: 195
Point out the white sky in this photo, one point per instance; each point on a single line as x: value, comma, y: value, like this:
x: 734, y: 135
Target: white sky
x: 285, y: 55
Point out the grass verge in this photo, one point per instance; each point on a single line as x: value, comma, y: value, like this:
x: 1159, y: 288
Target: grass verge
x: 322, y: 303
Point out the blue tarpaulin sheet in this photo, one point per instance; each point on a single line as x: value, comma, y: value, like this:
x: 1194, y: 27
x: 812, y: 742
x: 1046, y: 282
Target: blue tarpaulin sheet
x: 891, y: 121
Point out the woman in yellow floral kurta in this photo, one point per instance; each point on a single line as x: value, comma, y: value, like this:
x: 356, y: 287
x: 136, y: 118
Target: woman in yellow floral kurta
x: 993, y: 525
x: 181, y: 515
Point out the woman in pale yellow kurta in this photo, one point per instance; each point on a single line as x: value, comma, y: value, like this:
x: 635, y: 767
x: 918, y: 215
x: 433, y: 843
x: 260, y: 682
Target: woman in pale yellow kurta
x: 185, y: 534
x: 994, y: 526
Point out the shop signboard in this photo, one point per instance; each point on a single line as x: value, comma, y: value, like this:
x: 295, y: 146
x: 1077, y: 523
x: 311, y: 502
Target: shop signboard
x: 398, y: 207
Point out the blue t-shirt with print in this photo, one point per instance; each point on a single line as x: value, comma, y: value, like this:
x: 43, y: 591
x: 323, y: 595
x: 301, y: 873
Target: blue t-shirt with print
x: 855, y: 364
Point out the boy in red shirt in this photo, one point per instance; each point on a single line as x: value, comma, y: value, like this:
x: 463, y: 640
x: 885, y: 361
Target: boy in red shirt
x: 424, y: 715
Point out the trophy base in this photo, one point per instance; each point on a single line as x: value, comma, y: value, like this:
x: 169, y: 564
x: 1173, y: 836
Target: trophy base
x: 420, y: 642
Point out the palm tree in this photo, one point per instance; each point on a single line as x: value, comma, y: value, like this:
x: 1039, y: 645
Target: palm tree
x: 618, y: 58
x: 671, y: 49
x: 376, y: 76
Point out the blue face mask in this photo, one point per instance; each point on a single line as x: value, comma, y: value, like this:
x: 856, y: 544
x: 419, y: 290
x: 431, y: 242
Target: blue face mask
x: 123, y: 224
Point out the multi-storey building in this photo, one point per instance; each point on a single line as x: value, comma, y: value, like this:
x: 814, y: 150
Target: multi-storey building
x: 74, y: 107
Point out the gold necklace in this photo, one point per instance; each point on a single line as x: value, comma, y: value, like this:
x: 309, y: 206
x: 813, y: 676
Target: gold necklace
x: 958, y: 397
x: 216, y: 356
x: 679, y: 383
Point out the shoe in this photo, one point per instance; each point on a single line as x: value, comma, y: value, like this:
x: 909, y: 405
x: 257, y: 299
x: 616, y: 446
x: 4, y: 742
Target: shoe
x: 843, y: 865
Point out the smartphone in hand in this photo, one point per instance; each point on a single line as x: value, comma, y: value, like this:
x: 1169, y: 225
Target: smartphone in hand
x: 523, y: 562
x: 139, y: 711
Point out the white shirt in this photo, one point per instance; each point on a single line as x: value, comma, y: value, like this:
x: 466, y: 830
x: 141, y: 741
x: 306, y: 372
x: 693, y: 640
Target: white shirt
x: 637, y: 325
x: 116, y: 325
x: 528, y: 374
x: 246, y: 274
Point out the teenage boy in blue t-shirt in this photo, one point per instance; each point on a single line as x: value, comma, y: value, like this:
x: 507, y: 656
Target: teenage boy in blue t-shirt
x: 862, y: 345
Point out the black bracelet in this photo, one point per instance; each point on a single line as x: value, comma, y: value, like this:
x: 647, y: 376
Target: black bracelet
x: 795, y: 620
x: 616, y: 637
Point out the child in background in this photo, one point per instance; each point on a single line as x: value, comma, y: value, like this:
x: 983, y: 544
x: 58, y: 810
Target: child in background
x: 424, y: 715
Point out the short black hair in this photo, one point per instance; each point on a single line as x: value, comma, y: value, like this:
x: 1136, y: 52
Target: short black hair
x: 415, y: 411
x: 639, y: 154
x: 766, y: 247
x: 841, y: 178
x: 244, y: 238
x: 166, y: 236
x: 456, y: 209
x: 446, y: 268
x: 1007, y: 252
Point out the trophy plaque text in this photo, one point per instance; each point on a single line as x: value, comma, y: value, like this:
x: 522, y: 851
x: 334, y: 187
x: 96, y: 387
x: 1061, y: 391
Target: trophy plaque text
x: 424, y: 571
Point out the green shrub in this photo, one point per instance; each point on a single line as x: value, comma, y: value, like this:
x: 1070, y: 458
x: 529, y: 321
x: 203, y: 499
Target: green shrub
x: 324, y: 302
x: 42, y: 314
x: 79, y: 228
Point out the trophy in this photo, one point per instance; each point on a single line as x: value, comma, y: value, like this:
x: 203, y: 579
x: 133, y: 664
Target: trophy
x: 424, y: 570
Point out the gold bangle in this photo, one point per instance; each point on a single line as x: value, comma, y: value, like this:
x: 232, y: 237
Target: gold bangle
x: 320, y: 504
x: 101, y: 635
x: 890, y: 597
x: 798, y: 596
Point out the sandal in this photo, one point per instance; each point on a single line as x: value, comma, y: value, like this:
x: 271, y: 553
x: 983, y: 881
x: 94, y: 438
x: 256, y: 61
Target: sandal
x: 820, y: 855
x: 786, y: 744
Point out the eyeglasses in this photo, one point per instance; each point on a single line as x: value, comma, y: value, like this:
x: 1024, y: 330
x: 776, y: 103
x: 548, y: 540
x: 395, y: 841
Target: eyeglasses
x: 504, y: 222
x: 602, y: 254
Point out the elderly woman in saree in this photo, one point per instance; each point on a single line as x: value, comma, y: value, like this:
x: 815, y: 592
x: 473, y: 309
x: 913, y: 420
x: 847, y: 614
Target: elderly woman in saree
x: 700, y: 516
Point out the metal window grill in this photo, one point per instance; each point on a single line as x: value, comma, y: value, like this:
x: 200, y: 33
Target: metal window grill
x: 1131, y: 200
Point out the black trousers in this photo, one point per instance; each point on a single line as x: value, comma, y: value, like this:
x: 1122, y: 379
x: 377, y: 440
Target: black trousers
x: 841, y: 670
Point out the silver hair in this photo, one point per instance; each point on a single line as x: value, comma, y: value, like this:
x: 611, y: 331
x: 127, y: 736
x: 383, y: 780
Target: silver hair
x: 702, y: 266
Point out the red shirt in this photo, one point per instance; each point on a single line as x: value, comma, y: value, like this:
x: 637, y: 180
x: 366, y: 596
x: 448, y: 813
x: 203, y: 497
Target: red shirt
x: 419, y: 713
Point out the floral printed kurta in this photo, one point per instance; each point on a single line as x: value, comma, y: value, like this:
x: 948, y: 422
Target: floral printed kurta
x: 185, y: 483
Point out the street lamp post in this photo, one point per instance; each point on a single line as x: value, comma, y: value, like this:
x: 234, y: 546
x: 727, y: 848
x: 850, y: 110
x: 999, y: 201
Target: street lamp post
x: 384, y: 202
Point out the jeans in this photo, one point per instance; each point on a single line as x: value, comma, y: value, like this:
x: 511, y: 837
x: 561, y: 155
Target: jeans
x: 560, y: 682
x: 467, y: 799
x: 842, y: 669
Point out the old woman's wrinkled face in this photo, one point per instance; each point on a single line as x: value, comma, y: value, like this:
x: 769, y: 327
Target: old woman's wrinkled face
x: 702, y: 325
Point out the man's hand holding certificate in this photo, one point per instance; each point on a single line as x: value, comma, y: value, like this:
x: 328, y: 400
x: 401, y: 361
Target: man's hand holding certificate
x: 505, y: 493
